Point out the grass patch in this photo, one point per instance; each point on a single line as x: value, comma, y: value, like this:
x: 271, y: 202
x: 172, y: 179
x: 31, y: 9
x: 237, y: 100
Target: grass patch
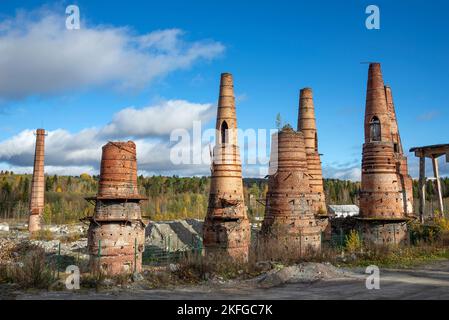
x: 32, y: 271
x: 42, y: 235
x: 194, y: 268
x: 398, y: 257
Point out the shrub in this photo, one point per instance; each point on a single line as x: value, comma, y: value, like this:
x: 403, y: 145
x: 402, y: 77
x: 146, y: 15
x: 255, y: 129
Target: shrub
x: 353, y: 242
x: 442, y: 223
x: 424, y: 233
x: 32, y: 272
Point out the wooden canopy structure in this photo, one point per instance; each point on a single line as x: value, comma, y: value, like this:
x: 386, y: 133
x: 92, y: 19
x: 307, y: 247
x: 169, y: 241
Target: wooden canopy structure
x: 433, y: 152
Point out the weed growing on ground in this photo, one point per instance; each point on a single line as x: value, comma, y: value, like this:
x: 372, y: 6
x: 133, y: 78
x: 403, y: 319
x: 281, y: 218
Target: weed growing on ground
x: 33, y: 271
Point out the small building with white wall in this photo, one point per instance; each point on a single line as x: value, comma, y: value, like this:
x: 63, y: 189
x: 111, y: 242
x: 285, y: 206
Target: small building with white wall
x: 343, y: 211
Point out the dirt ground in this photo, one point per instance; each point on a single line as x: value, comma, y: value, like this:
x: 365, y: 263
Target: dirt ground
x: 430, y: 281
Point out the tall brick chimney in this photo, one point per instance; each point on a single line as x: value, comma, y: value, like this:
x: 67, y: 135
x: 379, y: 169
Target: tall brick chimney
x: 226, y: 228
x: 307, y: 125
x: 38, y: 184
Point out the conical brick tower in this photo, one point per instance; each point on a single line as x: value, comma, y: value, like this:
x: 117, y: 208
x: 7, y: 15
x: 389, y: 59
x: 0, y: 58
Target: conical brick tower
x: 307, y: 125
x: 386, y: 186
x: 226, y: 228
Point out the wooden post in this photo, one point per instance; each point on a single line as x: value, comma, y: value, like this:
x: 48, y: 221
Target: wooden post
x: 422, y: 187
x: 438, y: 185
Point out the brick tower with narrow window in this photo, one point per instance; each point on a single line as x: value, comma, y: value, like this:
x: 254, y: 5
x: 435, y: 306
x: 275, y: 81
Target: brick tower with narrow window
x: 226, y: 228
x: 386, y: 190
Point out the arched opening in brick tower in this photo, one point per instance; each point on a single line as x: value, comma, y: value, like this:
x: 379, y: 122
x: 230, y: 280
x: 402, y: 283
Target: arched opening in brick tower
x: 316, y: 142
x: 224, y: 132
x: 375, y: 128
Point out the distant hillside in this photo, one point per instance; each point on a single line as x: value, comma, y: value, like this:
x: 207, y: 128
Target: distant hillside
x: 169, y: 197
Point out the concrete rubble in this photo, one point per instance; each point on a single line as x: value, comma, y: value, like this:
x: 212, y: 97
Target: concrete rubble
x: 4, y: 227
x: 174, y: 235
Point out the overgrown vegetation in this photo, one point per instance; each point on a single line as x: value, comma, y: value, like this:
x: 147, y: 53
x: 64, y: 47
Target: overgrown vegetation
x: 195, y: 267
x: 31, y: 270
x: 397, y: 257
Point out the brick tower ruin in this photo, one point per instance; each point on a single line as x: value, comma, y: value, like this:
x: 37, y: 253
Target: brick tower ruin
x: 289, y: 216
x: 226, y: 228
x: 38, y: 184
x: 116, y: 232
x: 386, y: 196
x: 307, y: 125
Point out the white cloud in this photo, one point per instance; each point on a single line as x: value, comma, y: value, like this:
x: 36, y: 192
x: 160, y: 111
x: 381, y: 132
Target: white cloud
x: 52, y: 170
x: 352, y: 173
x: 39, y: 56
x: 157, y: 120
x: 413, y: 166
x: 75, y: 153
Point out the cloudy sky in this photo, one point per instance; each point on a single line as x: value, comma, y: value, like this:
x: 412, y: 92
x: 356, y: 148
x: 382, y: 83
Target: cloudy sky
x: 149, y: 71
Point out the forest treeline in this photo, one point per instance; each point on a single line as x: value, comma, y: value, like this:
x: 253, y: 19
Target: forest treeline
x: 169, y: 197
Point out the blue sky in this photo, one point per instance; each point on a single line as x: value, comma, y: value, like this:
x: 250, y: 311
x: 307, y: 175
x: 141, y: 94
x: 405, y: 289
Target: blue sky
x: 273, y: 48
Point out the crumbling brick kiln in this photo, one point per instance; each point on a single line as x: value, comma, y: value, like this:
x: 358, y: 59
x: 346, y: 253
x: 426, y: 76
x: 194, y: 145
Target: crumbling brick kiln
x: 386, y: 197
x: 289, y: 217
x: 116, y: 232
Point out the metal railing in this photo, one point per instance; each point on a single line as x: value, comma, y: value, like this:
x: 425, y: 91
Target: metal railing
x: 170, y: 251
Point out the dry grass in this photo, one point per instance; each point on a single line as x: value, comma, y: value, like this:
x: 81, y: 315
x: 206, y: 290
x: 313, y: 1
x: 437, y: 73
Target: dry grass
x: 42, y: 235
x: 164, y: 278
x: 194, y: 267
x: 398, y: 256
x: 32, y: 271
x: 72, y: 237
x: 284, y: 252
x: 94, y: 279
